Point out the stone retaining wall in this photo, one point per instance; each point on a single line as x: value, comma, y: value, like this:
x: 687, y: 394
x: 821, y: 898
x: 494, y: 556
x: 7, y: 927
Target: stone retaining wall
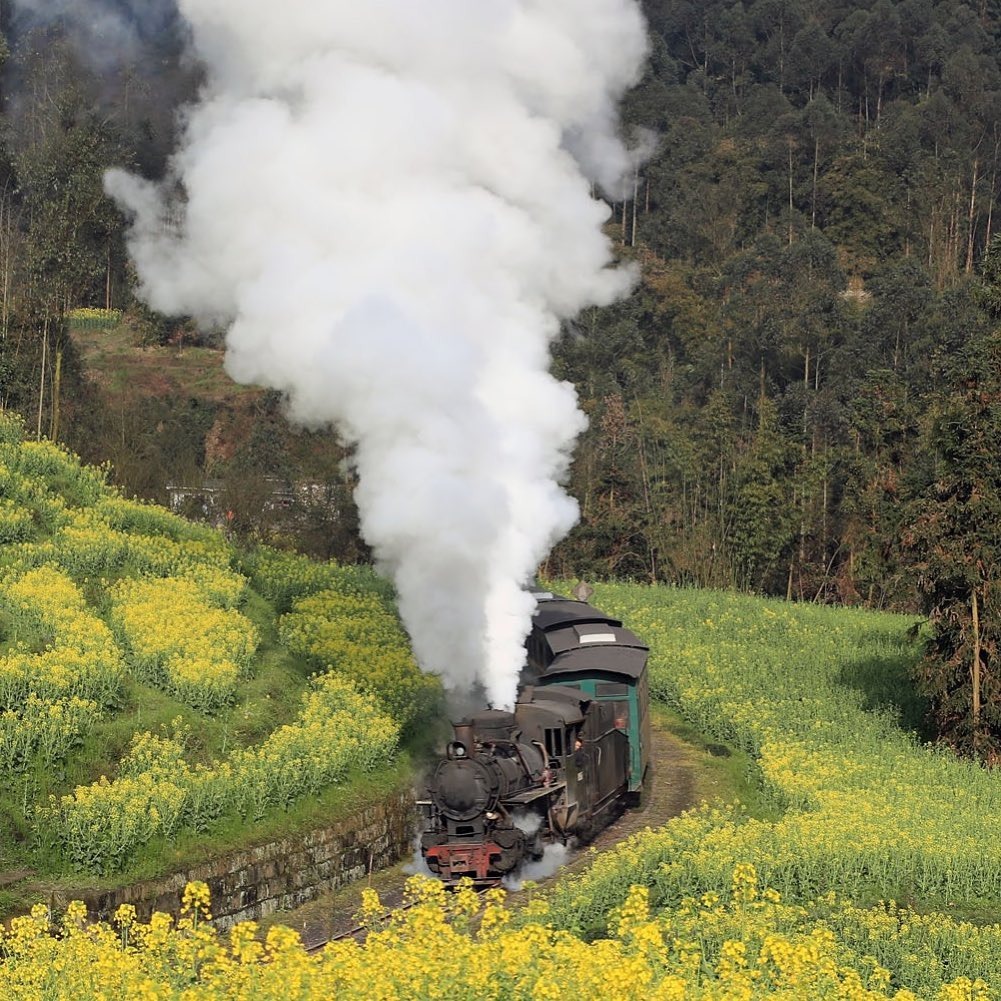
x: 278, y: 876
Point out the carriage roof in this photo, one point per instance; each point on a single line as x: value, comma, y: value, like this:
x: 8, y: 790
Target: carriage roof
x: 556, y: 612
x: 627, y: 661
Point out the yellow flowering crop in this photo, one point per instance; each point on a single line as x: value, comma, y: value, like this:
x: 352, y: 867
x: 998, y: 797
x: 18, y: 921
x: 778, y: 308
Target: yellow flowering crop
x: 100, y: 826
x: 94, y: 315
x: 169, y: 591
x: 435, y: 950
x: 176, y: 639
x: 862, y: 806
x: 80, y: 657
x: 44, y: 731
x: 360, y: 636
x: 16, y: 523
x: 284, y: 577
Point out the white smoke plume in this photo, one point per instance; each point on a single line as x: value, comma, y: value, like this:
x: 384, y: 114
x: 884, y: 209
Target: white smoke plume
x: 417, y: 866
x: 527, y: 823
x: 388, y: 204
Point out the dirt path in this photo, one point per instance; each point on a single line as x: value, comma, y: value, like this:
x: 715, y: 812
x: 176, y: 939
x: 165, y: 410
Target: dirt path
x: 672, y: 789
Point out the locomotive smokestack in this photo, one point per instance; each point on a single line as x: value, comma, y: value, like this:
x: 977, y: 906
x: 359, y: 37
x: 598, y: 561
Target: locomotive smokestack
x: 464, y: 734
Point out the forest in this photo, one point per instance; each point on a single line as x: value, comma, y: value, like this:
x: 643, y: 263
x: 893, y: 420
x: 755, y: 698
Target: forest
x: 817, y: 235
x: 802, y: 396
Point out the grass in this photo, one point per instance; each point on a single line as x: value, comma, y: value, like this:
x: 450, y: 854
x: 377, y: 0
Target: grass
x: 116, y: 355
x: 723, y: 773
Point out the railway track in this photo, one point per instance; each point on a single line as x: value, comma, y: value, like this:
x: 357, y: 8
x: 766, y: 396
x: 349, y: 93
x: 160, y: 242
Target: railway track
x: 358, y: 931
x: 331, y: 918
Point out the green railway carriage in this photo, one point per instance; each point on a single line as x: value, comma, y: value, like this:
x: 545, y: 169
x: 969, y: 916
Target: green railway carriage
x: 573, y: 644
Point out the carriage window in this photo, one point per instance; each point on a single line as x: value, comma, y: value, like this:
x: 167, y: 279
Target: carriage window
x: 554, y: 742
x: 608, y: 688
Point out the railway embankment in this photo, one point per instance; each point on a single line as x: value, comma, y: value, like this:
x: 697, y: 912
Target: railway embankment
x: 279, y: 875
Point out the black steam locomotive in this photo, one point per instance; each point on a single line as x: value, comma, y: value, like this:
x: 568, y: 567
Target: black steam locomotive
x: 571, y: 755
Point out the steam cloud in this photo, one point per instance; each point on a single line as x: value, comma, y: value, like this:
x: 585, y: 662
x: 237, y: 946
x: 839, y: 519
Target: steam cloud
x: 554, y: 857
x: 388, y: 204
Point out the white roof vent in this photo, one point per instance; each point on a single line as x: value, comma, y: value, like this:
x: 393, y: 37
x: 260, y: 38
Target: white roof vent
x: 596, y: 638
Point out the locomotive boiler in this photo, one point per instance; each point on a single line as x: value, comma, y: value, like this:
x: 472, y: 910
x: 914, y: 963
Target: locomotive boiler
x: 574, y: 751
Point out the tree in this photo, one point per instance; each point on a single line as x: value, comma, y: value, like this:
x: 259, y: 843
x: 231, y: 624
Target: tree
x: 60, y: 236
x: 902, y: 295
x: 955, y: 542
x: 811, y: 57
x: 764, y: 516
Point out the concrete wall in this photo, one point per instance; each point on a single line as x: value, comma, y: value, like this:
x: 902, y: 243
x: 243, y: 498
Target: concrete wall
x: 280, y: 875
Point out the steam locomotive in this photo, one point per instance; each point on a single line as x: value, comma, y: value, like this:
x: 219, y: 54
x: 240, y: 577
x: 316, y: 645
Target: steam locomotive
x: 573, y: 753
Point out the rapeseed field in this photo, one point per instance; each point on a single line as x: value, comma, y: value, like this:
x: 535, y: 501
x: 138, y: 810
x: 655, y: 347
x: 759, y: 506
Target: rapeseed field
x: 856, y: 884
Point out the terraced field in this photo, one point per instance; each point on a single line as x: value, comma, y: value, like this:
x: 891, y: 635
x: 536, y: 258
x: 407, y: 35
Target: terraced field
x: 164, y: 696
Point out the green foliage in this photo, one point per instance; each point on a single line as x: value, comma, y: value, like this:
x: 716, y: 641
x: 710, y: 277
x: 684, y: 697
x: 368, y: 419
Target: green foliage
x: 11, y: 428
x: 955, y: 542
x: 764, y: 526
x: 283, y: 577
x: 360, y: 637
x: 989, y: 290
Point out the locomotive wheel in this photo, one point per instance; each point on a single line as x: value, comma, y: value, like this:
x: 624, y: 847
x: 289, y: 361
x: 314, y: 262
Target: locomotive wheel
x: 508, y: 860
x: 537, y: 848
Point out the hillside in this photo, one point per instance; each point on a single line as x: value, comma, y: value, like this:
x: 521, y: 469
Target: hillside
x: 178, y: 430
x: 867, y: 870
x: 163, y: 695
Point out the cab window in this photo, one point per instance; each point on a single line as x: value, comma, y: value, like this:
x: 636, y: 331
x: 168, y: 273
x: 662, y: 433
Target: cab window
x: 554, y: 742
